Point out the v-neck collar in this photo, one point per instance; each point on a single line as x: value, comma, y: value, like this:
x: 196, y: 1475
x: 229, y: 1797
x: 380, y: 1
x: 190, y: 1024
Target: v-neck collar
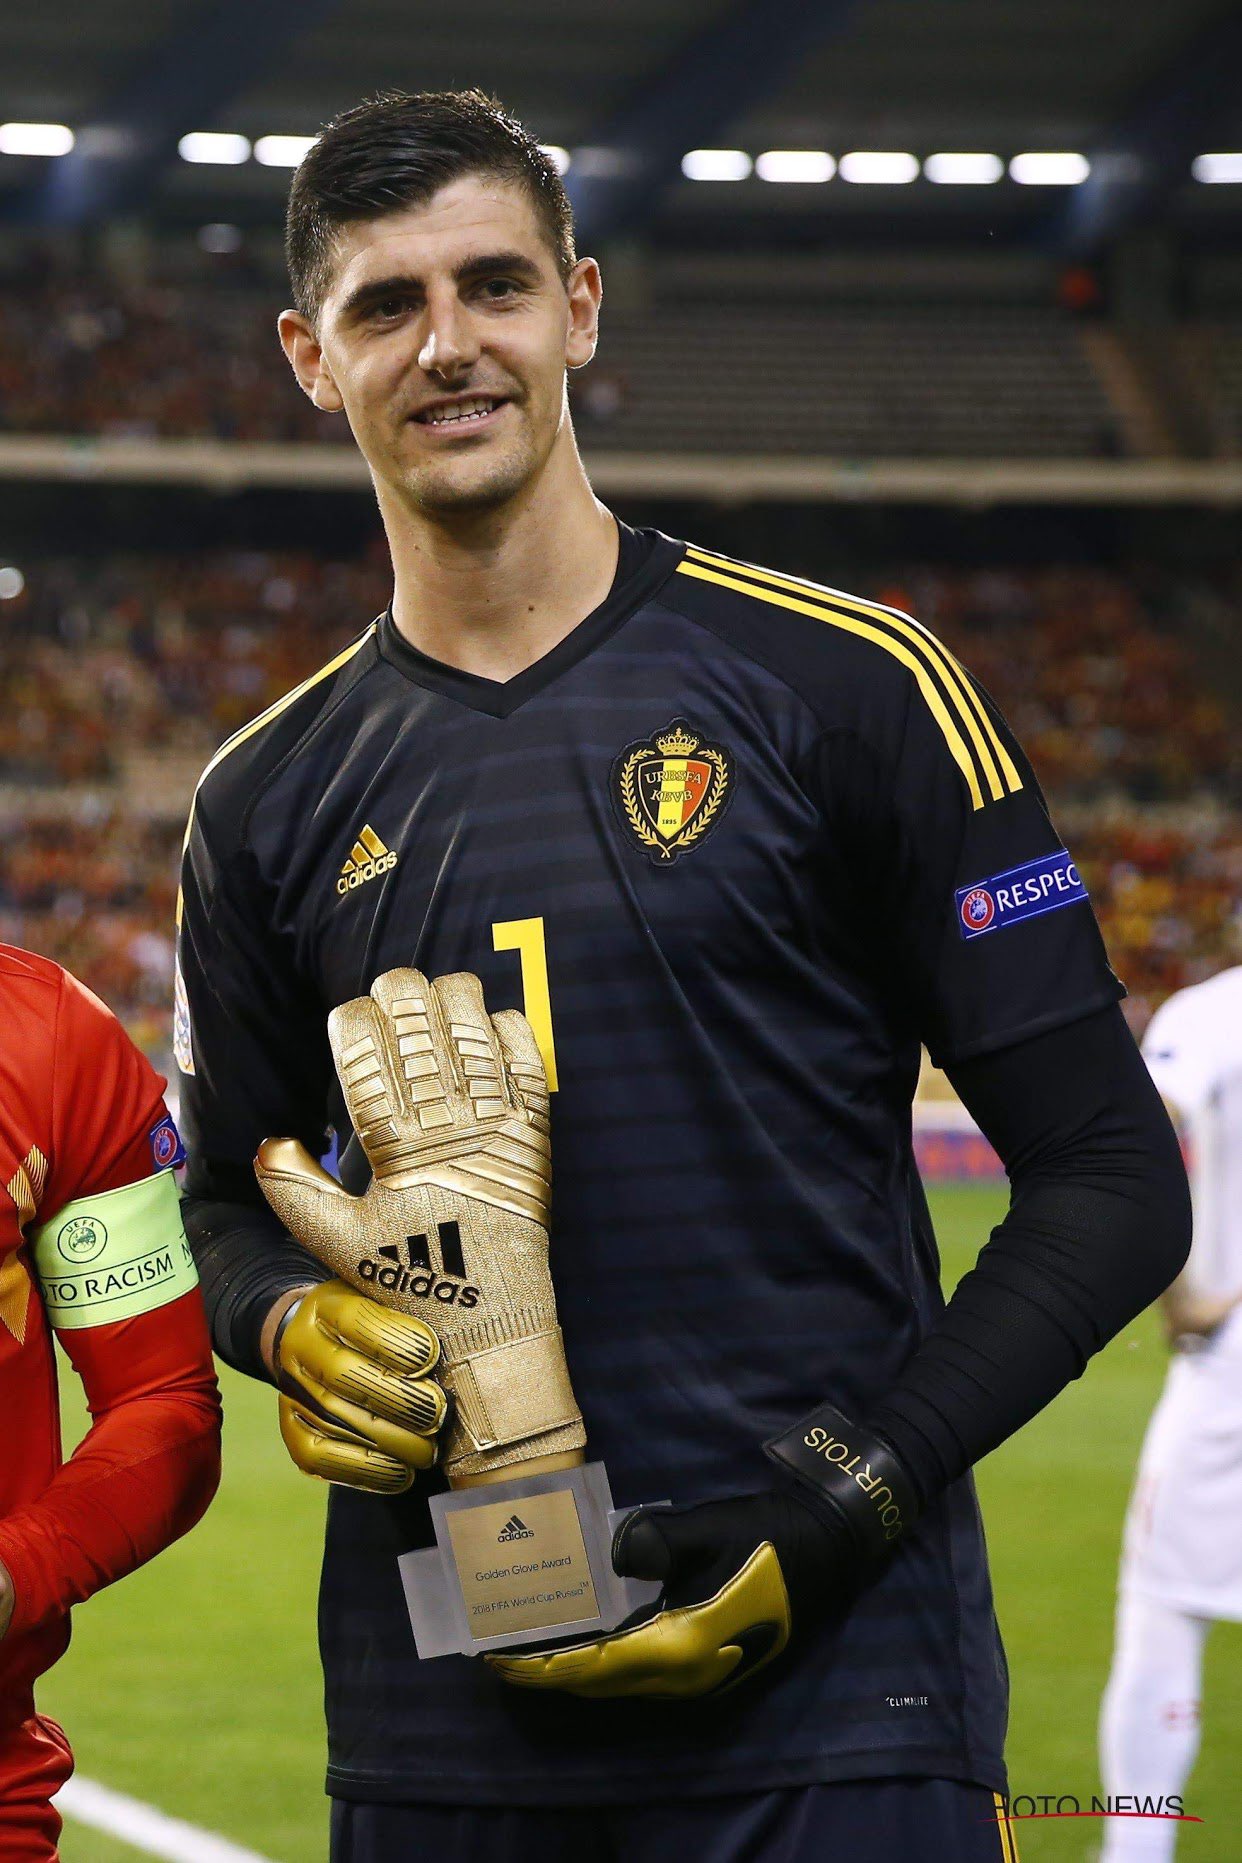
x: 645, y: 561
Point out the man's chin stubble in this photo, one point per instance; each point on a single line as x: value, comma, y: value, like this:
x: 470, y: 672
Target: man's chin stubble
x: 440, y: 495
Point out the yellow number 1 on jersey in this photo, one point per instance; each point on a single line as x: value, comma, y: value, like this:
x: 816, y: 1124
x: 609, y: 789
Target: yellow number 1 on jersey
x: 525, y: 936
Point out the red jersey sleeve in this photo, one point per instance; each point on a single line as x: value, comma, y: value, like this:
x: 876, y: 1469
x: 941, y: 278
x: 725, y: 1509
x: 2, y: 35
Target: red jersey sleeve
x: 107, y: 1099
x: 149, y: 1465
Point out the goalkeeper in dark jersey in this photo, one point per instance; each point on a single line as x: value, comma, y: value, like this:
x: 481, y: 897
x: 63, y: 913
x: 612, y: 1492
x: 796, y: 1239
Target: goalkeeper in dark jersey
x: 737, y: 844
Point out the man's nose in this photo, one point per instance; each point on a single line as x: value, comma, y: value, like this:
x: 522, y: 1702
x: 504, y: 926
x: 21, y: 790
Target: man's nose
x: 449, y: 345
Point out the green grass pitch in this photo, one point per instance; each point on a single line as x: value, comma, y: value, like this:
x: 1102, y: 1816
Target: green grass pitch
x: 195, y: 1684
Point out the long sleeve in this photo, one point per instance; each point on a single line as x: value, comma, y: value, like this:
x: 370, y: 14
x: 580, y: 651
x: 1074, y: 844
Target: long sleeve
x: 253, y: 1052
x: 985, y: 947
x: 1098, y: 1226
x: 150, y: 1463
x: 144, y: 1474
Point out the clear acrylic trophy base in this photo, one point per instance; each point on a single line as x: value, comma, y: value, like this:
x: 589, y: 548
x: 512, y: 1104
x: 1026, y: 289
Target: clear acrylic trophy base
x: 517, y: 1562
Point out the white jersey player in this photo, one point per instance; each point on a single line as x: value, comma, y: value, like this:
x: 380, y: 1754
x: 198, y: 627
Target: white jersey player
x: 1181, y: 1563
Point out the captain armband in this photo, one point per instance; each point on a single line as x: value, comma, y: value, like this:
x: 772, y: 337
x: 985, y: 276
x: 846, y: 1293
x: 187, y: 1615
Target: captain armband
x: 115, y: 1255
x: 851, y: 1470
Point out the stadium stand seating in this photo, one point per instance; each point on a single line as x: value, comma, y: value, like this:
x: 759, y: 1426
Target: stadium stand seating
x: 1211, y: 356
x: 864, y: 382
x: 181, y: 352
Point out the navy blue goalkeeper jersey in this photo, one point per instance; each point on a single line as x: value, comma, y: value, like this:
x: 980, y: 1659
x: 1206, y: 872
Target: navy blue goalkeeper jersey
x: 737, y: 845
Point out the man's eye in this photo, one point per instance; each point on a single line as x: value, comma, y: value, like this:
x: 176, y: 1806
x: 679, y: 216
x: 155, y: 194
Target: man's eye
x: 496, y: 288
x: 391, y: 307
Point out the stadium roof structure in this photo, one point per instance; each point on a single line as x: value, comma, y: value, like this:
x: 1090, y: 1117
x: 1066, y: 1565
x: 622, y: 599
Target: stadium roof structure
x: 629, y: 91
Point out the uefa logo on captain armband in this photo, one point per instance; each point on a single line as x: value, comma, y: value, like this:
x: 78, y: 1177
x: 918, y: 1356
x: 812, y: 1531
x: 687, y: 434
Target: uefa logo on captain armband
x: 82, y: 1239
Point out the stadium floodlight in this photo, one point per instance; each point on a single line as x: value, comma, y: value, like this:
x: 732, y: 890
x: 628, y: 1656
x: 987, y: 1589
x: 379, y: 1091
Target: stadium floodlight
x: 883, y: 167
x: 35, y: 139
x: 595, y: 161
x: 219, y: 236
x: 961, y: 169
x: 716, y: 165
x: 795, y: 165
x: 209, y: 145
x: 1049, y: 168
x: 12, y: 582
x: 558, y: 157
x: 282, y: 151
x: 1217, y: 168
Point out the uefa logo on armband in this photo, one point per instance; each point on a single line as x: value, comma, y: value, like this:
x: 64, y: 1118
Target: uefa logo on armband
x: 82, y: 1239
x: 167, y: 1150
x: 978, y: 909
x: 1038, y: 886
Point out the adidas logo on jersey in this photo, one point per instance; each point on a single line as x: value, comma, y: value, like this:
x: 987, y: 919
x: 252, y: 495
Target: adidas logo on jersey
x: 368, y: 858
x: 514, y: 1529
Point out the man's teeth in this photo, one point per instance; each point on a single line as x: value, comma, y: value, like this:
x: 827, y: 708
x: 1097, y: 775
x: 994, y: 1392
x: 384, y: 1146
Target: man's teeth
x: 463, y: 410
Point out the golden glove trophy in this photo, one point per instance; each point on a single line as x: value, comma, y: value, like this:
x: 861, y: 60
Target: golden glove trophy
x: 450, y: 1106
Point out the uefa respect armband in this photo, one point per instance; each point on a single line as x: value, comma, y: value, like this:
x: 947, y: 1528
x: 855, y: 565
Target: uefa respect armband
x: 114, y: 1256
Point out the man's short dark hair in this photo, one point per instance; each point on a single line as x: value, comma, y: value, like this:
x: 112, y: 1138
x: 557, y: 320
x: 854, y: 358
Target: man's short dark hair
x: 395, y: 151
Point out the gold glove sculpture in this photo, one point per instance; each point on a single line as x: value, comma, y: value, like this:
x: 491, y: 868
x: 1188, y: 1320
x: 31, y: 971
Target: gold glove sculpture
x: 451, y: 1108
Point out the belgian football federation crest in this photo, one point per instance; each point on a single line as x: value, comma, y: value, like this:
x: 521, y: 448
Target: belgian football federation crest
x: 671, y: 789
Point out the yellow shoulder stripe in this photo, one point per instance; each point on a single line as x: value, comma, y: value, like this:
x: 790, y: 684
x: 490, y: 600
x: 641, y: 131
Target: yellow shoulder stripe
x: 993, y: 760
x: 935, y: 704
x: 265, y: 718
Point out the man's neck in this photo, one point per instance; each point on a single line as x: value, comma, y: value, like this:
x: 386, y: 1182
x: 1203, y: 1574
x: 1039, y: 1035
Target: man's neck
x: 493, y: 592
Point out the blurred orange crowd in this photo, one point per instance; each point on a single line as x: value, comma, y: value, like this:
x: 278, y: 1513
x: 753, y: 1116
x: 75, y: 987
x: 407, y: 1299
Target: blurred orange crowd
x: 142, y: 357
x: 162, y: 652
x: 104, y: 662
x: 97, y: 890
x: 1092, y: 671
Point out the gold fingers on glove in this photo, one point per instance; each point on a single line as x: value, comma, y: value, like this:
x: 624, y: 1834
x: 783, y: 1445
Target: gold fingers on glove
x: 525, y: 1077
x: 700, y: 1649
x: 399, y: 1419
x: 359, y: 1365
x: 472, y: 1047
x: 331, y: 1454
x: 425, y: 1071
x: 400, y: 1342
x: 416, y: 1058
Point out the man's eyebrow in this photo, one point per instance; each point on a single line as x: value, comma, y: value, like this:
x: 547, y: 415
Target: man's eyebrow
x: 488, y: 264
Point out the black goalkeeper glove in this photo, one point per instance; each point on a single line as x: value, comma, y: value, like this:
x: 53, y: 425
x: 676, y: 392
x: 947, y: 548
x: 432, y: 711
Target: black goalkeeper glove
x: 742, y: 1576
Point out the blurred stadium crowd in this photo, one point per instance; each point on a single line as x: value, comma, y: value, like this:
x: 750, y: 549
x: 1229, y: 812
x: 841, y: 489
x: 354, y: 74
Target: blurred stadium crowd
x: 185, y: 350
x: 124, y: 674
x: 163, y: 339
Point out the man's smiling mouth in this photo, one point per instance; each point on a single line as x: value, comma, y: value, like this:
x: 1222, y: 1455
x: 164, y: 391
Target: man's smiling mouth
x: 467, y: 412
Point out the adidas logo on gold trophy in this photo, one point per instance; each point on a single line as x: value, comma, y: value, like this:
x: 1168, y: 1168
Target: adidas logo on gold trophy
x: 368, y: 858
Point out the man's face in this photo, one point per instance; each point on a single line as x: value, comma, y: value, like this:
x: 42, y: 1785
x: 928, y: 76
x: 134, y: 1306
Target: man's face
x: 445, y: 335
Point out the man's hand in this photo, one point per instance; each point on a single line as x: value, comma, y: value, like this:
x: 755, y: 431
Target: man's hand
x: 356, y: 1405
x: 7, y: 1600
x: 740, y: 1578
x: 743, y: 1576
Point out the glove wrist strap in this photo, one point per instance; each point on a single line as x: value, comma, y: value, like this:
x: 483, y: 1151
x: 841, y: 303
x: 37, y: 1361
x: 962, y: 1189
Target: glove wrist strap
x: 282, y: 1327
x: 831, y: 1459
x: 513, y: 1399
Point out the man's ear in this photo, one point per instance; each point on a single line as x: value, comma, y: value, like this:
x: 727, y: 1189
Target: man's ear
x: 306, y: 359
x: 585, y: 290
